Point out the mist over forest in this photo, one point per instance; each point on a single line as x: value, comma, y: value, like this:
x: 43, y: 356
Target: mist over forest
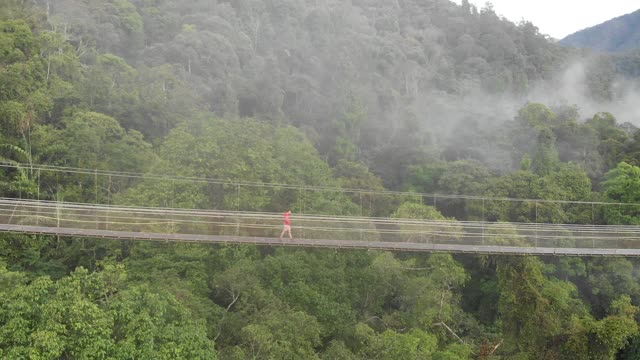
x: 417, y: 73
x: 415, y: 96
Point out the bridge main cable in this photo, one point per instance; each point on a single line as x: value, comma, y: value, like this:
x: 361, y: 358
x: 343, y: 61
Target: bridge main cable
x: 192, y: 179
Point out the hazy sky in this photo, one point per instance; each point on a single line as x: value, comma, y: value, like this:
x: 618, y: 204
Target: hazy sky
x: 559, y: 18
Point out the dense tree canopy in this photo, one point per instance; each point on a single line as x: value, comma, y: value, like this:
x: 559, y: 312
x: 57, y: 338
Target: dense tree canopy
x: 339, y: 101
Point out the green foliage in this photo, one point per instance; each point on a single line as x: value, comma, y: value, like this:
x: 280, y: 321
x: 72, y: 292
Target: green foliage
x: 545, y: 159
x: 412, y: 210
x: 424, y: 232
x: 156, y: 325
x: 17, y: 41
x: 347, y: 96
x: 433, y: 301
x: 567, y: 182
x: 425, y: 178
x: 23, y: 98
x: 415, y: 344
x: 606, y: 279
x: 355, y: 175
x: 338, y: 351
x: 348, y: 132
x: 537, y: 116
x: 533, y: 310
x: 10, y: 279
x: 248, y: 151
x: 612, y: 138
x: 97, y: 141
x: 622, y: 185
x: 462, y: 177
x: 603, y: 339
x: 454, y: 352
x: 89, y: 316
x: 282, y: 335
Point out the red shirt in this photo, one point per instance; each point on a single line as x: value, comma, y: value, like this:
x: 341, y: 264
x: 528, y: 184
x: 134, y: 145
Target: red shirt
x: 287, y: 218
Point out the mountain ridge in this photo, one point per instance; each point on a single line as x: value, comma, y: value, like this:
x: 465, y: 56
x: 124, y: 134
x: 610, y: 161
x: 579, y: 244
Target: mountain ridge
x: 615, y: 35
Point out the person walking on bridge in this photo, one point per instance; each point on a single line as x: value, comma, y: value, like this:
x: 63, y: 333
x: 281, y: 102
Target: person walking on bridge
x: 287, y: 225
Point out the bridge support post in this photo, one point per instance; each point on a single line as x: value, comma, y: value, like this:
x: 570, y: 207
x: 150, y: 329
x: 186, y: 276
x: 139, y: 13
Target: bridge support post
x: 361, y: 214
x: 38, y: 208
x: 95, y: 179
x: 593, y: 223
x: 484, y: 221
x: 536, y: 223
x: 301, y: 200
x: 106, y: 223
x: 237, y: 209
x: 302, y: 196
x: 95, y: 182
x: 172, y: 223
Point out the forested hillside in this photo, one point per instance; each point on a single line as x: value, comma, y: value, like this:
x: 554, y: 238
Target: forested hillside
x: 615, y: 35
x: 417, y: 96
x: 619, y: 36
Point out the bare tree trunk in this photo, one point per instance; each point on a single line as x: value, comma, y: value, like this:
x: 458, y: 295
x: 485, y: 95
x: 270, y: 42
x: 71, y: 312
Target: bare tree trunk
x: 441, y: 323
x: 495, y: 347
x: 234, y: 298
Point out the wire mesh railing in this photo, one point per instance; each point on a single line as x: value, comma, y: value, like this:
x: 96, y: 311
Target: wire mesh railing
x: 350, y: 229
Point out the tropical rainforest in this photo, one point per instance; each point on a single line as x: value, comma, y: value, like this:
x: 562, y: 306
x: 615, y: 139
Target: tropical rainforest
x: 422, y: 96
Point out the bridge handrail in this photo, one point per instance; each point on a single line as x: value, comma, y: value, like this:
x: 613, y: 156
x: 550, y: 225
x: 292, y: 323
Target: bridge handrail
x: 37, y: 206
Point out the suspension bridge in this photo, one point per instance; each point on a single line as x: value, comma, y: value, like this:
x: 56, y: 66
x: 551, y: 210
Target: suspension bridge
x: 235, y: 226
